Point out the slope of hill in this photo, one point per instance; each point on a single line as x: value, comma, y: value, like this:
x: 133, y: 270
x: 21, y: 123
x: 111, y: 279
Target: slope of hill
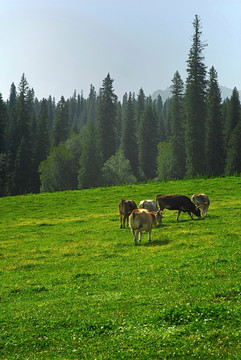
x: 74, y: 286
x: 165, y: 94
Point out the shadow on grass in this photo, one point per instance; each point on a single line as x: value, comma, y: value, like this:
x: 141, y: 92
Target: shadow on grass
x: 161, y: 242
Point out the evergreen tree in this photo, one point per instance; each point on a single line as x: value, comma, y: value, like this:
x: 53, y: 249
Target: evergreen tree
x: 214, y: 127
x: 129, y: 138
x: 177, y: 168
x: 20, y: 149
x: 195, y: 105
x: 147, y: 142
x: 61, y: 123
x: 233, y: 115
x: 140, y: 106
x: 42, y: 142
x: 91, y: 104
x: 106, y: 118
x: 233, y: 160
x: 3, y: 124
x: 90, y: 159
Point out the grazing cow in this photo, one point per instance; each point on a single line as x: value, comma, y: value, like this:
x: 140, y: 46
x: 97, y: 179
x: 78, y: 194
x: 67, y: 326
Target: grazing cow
x: 202, y: 202
x: 143, y: 220
x: 125, y: 209
x: 177, y: 202
x: 149, y: 205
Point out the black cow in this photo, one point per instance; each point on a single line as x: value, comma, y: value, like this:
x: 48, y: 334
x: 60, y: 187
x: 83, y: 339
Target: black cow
x: 177, y: 202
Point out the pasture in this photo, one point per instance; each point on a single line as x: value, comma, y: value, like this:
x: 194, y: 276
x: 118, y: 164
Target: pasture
x: 74, y: 285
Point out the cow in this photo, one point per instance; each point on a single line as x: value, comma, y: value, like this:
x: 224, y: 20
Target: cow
x: 143, y: 220
x: 202, y: 202
x: 177, y: 202
x: 149, y: 205
x: 125, y: 209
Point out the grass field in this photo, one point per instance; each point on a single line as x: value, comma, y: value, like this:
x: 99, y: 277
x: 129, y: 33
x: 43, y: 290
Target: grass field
x: 74, y: 286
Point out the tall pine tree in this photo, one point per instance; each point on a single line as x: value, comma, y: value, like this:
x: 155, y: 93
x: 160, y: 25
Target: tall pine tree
x: 177, y: 128
x: 61, y: 124
x: 195, y: 105
x: 106, y: 118
x: 214, y: 127
x: 129, y: 138
x: 147, y: 142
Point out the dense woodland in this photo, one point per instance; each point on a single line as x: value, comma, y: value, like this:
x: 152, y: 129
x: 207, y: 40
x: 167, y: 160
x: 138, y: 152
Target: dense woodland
x: 99, y: 140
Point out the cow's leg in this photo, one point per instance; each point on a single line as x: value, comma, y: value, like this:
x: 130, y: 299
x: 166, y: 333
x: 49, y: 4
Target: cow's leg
x: 121, y: 221
x: 136, y: 237
x: 124, y: 222
x: 140, y: 234
x: 178, y: 214
x: 190, y: 215
x: 149, y: 235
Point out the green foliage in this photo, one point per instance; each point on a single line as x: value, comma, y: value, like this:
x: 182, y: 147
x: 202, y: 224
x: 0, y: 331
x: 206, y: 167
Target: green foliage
x: 74, y: 286
x: 164, y: 161
x: 233, y: 161
x: 90, y: 159
x: 147, y: 142
x: 117, y: 170
x: 58, y: 172
x: 195, y: 105
x: 214, y: 144
x: 106, y: 118
x: 61, y: 123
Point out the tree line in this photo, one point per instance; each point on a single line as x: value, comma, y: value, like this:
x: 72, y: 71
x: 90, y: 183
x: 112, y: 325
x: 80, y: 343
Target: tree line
x: 87, y: 142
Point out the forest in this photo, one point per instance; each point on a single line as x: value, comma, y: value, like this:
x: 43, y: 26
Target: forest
x: 100, y: 140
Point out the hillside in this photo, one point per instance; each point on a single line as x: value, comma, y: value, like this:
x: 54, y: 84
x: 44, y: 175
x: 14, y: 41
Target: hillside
x: 165, y: 94
x: 74, y: 286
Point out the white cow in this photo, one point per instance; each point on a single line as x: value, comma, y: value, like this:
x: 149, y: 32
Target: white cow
x: 149, y: 205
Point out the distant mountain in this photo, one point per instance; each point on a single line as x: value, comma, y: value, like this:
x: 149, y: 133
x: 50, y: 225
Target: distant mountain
x: 165, y: 94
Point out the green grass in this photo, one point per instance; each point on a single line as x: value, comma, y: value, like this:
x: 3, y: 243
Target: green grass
x: 74, y: 286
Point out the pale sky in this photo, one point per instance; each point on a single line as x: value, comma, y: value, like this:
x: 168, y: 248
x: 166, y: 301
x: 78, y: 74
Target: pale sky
x: 63, y: 46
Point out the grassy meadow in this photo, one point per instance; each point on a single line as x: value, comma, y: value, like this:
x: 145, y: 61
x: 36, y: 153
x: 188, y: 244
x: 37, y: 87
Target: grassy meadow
x: 74, y: 286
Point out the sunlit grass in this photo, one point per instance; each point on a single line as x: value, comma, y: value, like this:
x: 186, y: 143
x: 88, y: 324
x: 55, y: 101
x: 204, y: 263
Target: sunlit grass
x: 74, y: 286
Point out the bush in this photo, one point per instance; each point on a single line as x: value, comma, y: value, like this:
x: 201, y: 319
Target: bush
x: 117, y: 170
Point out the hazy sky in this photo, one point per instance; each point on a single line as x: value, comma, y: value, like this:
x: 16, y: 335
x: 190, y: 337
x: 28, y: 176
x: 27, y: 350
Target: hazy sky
x: 66, y: 45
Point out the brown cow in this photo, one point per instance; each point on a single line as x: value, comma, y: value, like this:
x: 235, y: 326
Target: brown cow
x: 143, y: 220
x: 202, y: 202
x: 125, y: 209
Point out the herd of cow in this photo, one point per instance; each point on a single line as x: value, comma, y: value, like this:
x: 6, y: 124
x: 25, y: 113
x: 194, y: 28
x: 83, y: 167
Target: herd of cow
x: 142, y: 218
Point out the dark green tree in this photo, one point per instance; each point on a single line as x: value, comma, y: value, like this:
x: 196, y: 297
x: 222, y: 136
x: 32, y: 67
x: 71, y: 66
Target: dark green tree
x: 61, y: 123
x: 3, y: 127
x: 214, y: 127
x: 140, y: 106
x: 233, y: 115
x: 20, y: 156
x: 177, y: 168
x: 233, y: 159
x: 90, y: 159
x: 106, y: 118
x: 147, y: 142
x: 129, y: 135
x: 195, y: 105
x: 42, y: 142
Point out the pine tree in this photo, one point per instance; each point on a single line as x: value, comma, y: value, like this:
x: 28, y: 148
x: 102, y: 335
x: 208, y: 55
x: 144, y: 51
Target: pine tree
x: 147, y: 142
x: 3, y: 124
x: 214, y: 127
x: 61, y: 124
x: 106, y: 118
x: 195, y: 105
x: 233, y: 160
x: 177, y: 169
x: 20, y: 147
x: 233, y: 115
x: 90, y: 159
x: 129, y: 138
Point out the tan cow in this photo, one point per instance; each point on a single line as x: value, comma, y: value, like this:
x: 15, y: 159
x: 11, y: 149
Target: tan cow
x: 143, y: 220
x: 202, y: 202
